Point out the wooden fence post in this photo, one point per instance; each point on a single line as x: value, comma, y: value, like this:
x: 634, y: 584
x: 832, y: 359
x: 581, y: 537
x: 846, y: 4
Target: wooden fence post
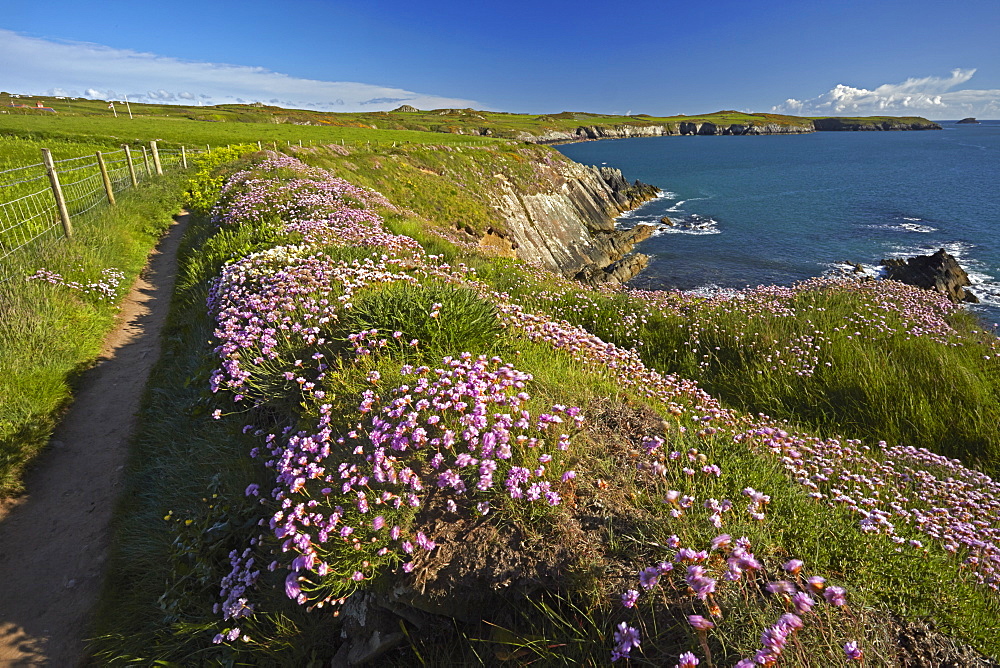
x: 156, y: 158
x: 107, y: 180
x: 57, y: 192
x: 145, y: 160
x: 131, y: 165
x: 184, y: 158
x: 300, y: 143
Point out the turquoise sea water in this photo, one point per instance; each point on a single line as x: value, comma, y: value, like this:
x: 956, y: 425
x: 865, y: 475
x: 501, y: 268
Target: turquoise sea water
x: 777, y: 209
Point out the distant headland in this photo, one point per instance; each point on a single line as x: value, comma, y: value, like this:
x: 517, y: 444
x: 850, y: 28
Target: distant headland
x: 570, y: 126
x: 563, y: 127
x: 967, y: 121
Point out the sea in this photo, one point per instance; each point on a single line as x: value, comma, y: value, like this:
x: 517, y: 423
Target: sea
x: 776, y: 209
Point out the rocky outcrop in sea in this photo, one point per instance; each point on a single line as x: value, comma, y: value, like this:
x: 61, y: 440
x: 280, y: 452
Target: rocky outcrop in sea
x: 940, y: 272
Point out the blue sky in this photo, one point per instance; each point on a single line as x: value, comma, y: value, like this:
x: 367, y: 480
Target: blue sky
x: 662, y: 58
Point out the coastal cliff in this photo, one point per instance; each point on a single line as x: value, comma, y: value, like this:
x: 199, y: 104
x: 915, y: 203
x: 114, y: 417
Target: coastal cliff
x: 570, y: 228
x: 528, y: 202
x: 592, y: 132
x: 696, y: 127
x: 574, y: 126
x: 708, y: 128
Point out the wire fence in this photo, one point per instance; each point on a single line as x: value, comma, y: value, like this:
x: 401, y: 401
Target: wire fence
x: 43, y: 199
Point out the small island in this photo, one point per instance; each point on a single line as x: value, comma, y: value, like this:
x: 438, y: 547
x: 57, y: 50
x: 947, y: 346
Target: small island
x: 967, y: 121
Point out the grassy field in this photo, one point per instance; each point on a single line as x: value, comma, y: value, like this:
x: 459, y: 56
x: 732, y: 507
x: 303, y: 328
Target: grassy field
x: 175, y: 131
x: 17, y: 152
x: 625, y: 500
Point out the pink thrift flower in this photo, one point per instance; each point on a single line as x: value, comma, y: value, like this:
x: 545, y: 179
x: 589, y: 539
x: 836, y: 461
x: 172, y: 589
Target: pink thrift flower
x: 687, y: 660
x: 835, y: 596
x: 803, y: 602
x: 793, y: 566
x: 700, y: 623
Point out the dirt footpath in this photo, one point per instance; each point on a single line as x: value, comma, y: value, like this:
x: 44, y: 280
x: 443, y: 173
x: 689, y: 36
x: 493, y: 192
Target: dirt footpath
x: 54, y: 540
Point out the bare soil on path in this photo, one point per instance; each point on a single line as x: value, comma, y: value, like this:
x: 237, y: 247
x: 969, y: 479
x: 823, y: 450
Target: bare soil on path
x: 54, y: 540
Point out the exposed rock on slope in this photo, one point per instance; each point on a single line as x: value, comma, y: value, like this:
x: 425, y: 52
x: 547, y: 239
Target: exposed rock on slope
x: 940, y: 272
x: 529, y: 202
x: 588, y: 132
x: 570, y: 227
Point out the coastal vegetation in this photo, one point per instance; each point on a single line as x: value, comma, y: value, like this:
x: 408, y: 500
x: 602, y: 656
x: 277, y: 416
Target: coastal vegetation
x: 378, y: 428
x: 376, y: 434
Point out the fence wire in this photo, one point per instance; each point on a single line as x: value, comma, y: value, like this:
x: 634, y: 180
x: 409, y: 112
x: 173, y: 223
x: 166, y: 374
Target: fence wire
x: 28, y: 209
x: 26, y: 219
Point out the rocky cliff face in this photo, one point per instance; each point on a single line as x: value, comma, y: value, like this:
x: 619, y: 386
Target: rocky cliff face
x: 524, y: 201
x: 739, y: 129
x: 592, y: 132
x: 569, y: 227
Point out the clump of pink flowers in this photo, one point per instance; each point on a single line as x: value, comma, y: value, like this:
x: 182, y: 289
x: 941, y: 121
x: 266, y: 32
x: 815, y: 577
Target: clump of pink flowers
x: 730, y: 564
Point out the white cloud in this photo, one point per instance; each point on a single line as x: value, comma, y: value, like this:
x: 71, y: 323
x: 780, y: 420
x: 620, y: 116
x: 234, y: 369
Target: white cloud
x: 927, y: 96
x: 40, y: 66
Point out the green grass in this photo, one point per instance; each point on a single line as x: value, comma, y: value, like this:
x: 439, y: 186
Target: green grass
x: 49, y: 333
x: 878, y: 386
x: 16, y: 152
x: 21, y: 159
x: 173, y: 132
x: 447, y: 185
